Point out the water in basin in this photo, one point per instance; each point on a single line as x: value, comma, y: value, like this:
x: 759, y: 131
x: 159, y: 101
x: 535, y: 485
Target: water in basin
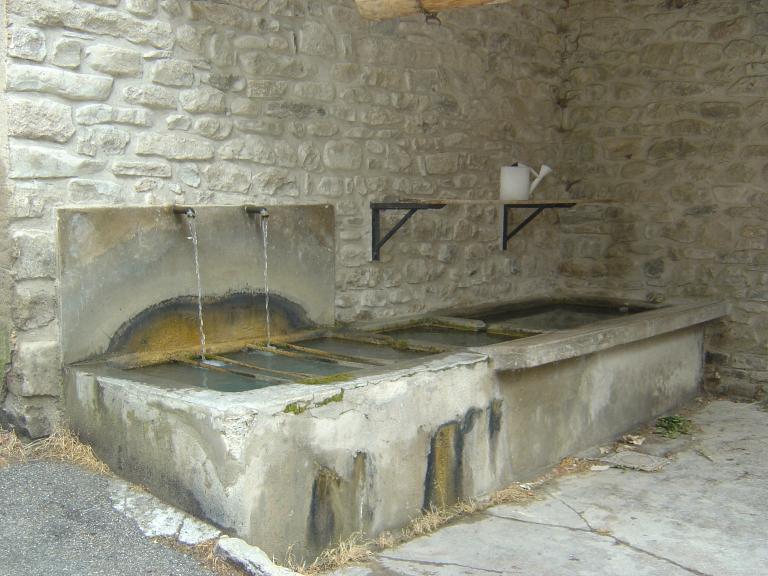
x: 451, y: 337
x: 186, y: 376
x: 360, y: 349
x: 554, y: 316
x: 289, y: 364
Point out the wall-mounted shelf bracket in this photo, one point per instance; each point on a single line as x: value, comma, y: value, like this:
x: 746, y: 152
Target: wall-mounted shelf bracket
x: 538, y: 208
x: 377, y: 240
x: 413, y: 206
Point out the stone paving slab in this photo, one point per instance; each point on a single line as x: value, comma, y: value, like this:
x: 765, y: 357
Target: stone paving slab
x: 705, y: 513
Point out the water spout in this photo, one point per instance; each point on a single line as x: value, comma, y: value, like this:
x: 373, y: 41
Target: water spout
x: 260, y: 210
x: 187, y: 211
x: 264, y: 213
x: 192, y: 225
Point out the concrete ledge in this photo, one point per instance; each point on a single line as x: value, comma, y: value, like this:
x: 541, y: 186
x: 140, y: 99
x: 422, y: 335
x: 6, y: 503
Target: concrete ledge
x: 565, y: 344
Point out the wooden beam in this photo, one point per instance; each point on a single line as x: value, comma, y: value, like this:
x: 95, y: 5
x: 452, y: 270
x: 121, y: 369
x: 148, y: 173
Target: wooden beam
x: 384, y: 9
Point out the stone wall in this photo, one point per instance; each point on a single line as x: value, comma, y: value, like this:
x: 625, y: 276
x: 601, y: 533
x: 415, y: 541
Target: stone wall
x: 664, y: 109
x: 5, y: 253
x: 125, y: 102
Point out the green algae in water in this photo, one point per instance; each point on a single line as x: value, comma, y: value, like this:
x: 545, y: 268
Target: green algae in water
x: 360, y: 349
x: 449, y: 336
x: 330, y: 379
x: 273, y: 361
x: 174, y: 375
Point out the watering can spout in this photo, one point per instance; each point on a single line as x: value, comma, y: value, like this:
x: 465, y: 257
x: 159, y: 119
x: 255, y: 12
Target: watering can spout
x: 543, y: 171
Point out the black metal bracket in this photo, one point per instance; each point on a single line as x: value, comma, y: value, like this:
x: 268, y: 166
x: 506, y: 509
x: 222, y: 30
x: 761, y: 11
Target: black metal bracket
x: 538, y: 207
x: 377, y: 240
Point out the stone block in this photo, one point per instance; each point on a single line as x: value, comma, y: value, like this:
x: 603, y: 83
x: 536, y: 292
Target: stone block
x: 102, y: 139
x: 297, y: 110
x: 230, y: 17
x: 189, y: 38
x: 245, y: 107
x: 673, y: 149
x: 40, y: 120
x: 275, y: 182
x: 86, y: 190
x: 31, y: 198
x: 105, y: 114
x: 114, y: 61
x: 720, y: 110
x: 266, y: 88
x: 227, y: 177
x: 69, y: 85
x: 203, y: 101
x: 141, y: 168
x: 141, y: 7
x: 316, y: 39
x: 265, y: 126
x: 213, y: 128
x: 310, y: 157
x: 314, y: 91
x: 150, y: 96
x: 254, y: 148
x: 33, y: 417
x: 173, y: 73
x: 221, y: 51
x: 178, y: 122
x: 39, y: 162
x: 26, y: 43
x: 174, y: 147
x: 259, y: 64
x: 34, y: 255
x: 343, y: 155
x: 33, y: 305
x: 446, y: 163
x: 189, y: 174
x: 67, y: 53
x: 96, y: 20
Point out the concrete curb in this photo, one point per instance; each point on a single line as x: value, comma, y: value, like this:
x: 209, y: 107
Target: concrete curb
x: 252, y: 559
x: 155, y: 519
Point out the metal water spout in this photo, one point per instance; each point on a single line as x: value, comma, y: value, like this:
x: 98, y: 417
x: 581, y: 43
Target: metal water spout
x: 260, y: 210
x: 187, y: 211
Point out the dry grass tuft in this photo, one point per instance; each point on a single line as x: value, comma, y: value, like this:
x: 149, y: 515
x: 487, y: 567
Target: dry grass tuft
x: 61, y: 446
x: 64, y: 446
x: 205, y: 554
x: 354, y: 549
x: 11, y: 448
x: 513, y: 494
x: 572, y: 466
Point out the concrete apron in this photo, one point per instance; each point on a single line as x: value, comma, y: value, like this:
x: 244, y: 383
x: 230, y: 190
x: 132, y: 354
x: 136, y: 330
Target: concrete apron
x: 450, y: 427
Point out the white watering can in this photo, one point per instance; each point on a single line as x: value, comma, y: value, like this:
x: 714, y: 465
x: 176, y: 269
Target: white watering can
x: 516, y: 181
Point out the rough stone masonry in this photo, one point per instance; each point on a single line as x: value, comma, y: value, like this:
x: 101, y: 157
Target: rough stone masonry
x: 657, y: 104
x: 135, y: 102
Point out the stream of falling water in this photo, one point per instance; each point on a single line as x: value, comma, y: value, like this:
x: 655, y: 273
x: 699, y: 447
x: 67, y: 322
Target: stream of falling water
x: 265, y: 236
x: 193, y: 234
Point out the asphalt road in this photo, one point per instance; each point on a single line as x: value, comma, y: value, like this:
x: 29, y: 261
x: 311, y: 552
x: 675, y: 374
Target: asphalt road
x: 58, y: 520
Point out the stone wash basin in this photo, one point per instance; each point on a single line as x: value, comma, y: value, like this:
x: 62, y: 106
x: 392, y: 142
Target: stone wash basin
x: 334, y: 430
x: 358, y: 429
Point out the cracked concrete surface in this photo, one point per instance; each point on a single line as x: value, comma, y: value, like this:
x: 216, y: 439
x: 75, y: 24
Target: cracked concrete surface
x: 704, y: 514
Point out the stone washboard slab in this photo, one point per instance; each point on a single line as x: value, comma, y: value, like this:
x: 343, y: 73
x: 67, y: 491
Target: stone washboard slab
x: 115, y: 264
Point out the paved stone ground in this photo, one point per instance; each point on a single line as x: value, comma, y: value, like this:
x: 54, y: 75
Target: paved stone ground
x: 56, y: 519
x: 705, y: 513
